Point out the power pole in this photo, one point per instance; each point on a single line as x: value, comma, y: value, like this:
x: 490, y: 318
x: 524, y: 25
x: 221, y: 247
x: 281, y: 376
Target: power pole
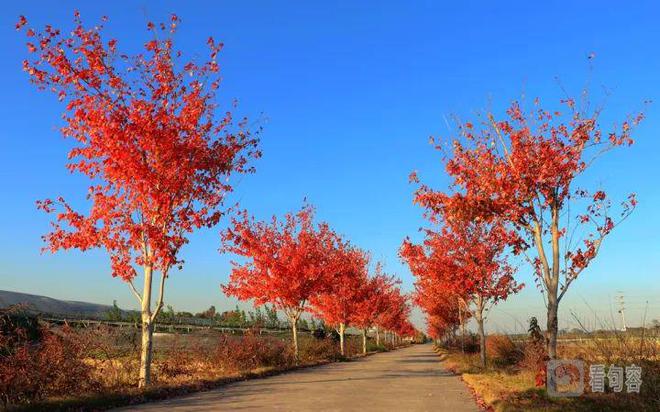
x: 621, y: 311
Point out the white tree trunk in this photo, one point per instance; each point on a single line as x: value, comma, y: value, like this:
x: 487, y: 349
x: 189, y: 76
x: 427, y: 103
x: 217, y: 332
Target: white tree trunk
x: 342, y: 349
x: 147, y: 330
x: 364, y: 341
x: 294, y: 331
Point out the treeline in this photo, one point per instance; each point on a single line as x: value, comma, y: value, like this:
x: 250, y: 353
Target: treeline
x: 265, y: 316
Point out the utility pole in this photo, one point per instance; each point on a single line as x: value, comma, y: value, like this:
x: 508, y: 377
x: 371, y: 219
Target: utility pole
x: 621, y: 311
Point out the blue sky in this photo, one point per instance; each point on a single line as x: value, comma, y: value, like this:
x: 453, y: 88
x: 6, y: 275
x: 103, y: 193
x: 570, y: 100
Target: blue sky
x: 348, y: 95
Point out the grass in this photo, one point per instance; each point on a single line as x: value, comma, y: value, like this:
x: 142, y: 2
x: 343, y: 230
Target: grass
x: 509, y: 388
x: 182, y: 365
x: 133, y: 396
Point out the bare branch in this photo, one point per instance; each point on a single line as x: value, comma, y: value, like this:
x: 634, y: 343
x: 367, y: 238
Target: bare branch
x: 161, y: 292
x: 135, y: 292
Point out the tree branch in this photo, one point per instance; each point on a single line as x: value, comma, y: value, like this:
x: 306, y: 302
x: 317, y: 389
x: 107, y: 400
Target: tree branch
x: 135, y: 292
x: 161, y: 292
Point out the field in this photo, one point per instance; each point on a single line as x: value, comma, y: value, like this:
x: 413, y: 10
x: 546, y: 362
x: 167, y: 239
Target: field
x: 515, y: 380
x: 60, y: 367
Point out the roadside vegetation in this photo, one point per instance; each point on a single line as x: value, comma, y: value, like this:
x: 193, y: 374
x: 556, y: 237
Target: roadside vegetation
x: 514, y: 378
x: 62, y: 368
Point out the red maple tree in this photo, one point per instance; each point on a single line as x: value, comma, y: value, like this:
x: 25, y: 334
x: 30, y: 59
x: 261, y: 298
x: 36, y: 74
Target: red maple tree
x: 395, y: 320
x: 147, y: 137
x: 372, y: 302
x: 439, y: 308
x: 467, y: 259
x: 288, y: 262
x: 349, y: 275
x: 439, y: 299
x: 521, y: 170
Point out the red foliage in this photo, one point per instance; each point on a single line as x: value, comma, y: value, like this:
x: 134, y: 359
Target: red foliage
x: 462, y: 263
x: 374, y: 300
x: 521, y: 171
x: 289, y: 262
x: 359, y: 300
x: 338, y: 305
x: 146, y: 136
x: 396, y: 317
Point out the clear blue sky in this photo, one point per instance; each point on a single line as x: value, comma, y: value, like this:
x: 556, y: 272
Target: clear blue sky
x: 349, y: 94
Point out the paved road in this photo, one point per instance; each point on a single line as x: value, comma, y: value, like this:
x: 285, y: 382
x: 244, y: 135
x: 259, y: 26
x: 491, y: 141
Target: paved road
x: 409, y: 379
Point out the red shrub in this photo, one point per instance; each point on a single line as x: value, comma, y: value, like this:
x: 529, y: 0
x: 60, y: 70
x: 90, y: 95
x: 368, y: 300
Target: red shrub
x: 318, y: 349
x: 32, y: 371
x: 252, y: 351
x: 502, y: 350
x: 534, y: 356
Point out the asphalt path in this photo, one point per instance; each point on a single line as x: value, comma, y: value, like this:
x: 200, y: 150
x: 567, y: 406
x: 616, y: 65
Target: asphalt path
x: 408, y: 379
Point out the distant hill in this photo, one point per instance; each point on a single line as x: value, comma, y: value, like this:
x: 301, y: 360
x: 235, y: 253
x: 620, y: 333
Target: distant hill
x: 44, y: 304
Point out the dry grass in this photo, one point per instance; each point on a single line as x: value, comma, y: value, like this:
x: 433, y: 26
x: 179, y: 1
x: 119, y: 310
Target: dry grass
x: 513, y: 387
x: 108, y: 360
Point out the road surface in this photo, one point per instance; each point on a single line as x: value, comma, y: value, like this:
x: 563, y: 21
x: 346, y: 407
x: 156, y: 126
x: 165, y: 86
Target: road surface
x: 409, y: 379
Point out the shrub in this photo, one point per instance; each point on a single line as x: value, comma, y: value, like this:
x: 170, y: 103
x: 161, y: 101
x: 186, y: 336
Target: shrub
x: 179, y: 359
x: 32, y: 371
x: 534, y: 356
x: 533, y: 359
x: 312, y: 350
x: 467, y: 344
x: 251, y: 351
x: 502, y: 350
x: 17, y: 324
x: 373, y: 347
x: 319, y: 333
x: 334, y: 335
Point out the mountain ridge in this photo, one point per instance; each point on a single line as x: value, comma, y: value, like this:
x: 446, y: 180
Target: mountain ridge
x: 45, y: 304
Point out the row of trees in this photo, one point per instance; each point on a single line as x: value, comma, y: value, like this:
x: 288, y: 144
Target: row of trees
x: 513, y: 193
x: 261, y: 317
x: 461, y: 269
x: 300, y: 266
x: 161, y: 157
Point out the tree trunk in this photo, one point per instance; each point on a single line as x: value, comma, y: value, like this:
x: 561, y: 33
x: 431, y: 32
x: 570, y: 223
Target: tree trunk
x: 553, y: 286
x: 294, y: 332
x: 145, y: 354
x: 460, y: 318
x: 147, y: 330
x: 377, y: 336
x: 341, y: 339
x: 364, y: 341
x: 552, y: 324
x: 479, y: 316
